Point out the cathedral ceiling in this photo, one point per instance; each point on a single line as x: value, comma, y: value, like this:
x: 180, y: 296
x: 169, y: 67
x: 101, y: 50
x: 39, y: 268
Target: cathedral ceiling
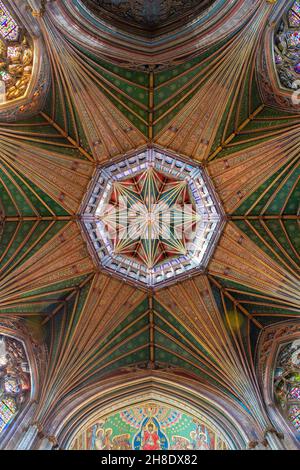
x: 207, y: 107
x: 148, y: 18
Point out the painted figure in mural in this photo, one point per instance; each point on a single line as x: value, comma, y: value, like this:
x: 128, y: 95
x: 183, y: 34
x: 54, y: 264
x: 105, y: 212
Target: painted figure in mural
x: 150, y: 435
x: 287, y: 383
x: 180, y: 443
x: 202, y: 442
x: 102, y: 439
x: 150, y: 438
x: 193, y: 441
x: 99, y: 440
x: 108, y: 445
x: 122, y: 442
x: 150, y: 427
x: 199, y: 440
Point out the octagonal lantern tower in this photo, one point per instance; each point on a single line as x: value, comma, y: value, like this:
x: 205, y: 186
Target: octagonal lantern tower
x: 152, y: 218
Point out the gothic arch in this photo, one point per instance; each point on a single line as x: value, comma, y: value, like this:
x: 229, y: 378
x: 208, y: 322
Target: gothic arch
x: 30, y: 101
x: 221, y: 19
x: 114, y: 393
x: 36, y: 357
x: 271, y: 342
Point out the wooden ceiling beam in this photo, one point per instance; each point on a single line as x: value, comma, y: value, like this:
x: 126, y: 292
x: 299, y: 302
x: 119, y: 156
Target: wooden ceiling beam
x: 264, y: 217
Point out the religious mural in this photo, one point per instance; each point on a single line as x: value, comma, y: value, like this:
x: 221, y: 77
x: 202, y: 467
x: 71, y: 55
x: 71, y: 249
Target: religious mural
x: 287, y: 48
x: 287, y: 383
x: 16, y: 57
x: 14, y: 379
x: 149, y: 427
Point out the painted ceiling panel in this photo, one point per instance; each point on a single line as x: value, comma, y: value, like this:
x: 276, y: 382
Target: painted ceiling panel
x: 45, y: 266
x: 207, y: 107
x: 273, y: 235
x: 278, y: 195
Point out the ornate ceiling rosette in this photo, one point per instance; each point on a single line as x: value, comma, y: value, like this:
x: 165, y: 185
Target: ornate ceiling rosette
x: 152, y: 218
x: 279, y: 59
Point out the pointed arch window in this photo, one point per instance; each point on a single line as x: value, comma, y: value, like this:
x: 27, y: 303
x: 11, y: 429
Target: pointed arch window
x: 9, y: 29
x: 287, y: 383
x: 294, y: 15
x: 287, y: 48
x: 16, y: 57
x: 14, y: 379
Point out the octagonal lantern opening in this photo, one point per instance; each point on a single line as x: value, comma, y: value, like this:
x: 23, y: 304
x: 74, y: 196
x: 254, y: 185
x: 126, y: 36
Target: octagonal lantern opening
x: 152, y: 218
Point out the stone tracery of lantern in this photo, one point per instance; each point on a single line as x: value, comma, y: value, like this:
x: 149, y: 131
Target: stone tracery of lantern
x: 152, y: 218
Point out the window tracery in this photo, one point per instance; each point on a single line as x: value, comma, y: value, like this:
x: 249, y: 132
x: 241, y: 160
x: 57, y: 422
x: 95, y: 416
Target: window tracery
x: 16, y: 57
x: 287, y: 48
x: 287, y: 382
x: 14, y: 379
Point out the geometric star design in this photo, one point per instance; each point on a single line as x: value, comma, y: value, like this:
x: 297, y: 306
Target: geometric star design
x: 152, y: 218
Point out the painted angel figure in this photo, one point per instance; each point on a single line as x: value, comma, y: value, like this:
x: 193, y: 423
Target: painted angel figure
x: 100, y: 439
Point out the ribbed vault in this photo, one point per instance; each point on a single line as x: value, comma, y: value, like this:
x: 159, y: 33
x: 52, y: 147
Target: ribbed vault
x: 206, y: 106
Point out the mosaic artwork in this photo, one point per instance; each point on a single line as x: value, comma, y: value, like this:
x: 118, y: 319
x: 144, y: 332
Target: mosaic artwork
x: 152, y: 218
x: 16, y: 58
x: 287, y: 382
x: 149, y: 427
x: 14, y: 379
x: 287, y: 48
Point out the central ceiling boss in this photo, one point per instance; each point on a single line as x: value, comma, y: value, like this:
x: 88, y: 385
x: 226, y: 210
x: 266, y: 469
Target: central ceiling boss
x: 152, y: 217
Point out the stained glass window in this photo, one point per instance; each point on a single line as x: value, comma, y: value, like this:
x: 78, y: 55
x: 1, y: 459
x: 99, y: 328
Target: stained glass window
x: 6, y: 414
x: 9, y: 29
x: 14, y: 379
x: 295, y: 393
x: 16, y: 57
x: 294, y: 416
x: 294, y: 15
x: 287, y: 48
x: 287, y: 382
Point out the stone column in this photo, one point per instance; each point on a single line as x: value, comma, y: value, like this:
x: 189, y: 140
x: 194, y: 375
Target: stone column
x: 28, y: 438
x: 275, y: 439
